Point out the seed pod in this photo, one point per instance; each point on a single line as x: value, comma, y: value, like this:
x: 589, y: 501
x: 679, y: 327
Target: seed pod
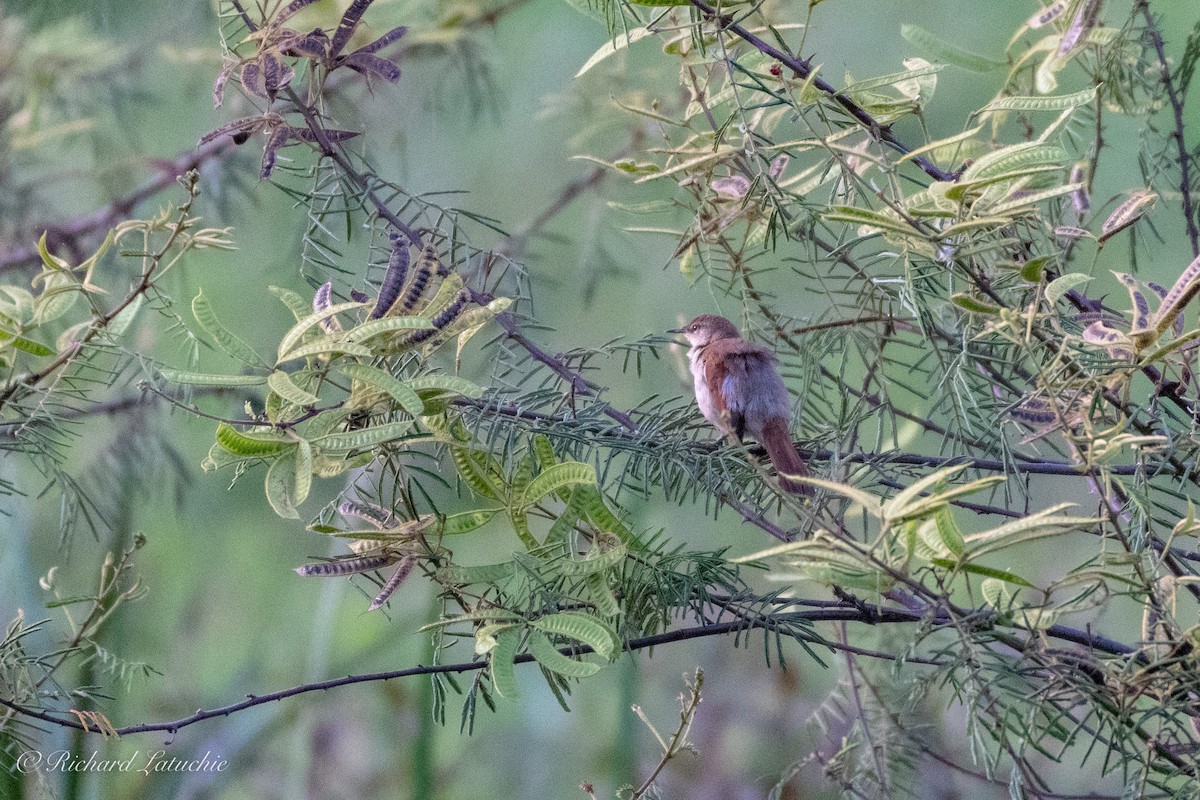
x: 322, y: 300
x: 420, y: 281
x: 345, y: 566
x: 1048, y: 14
x: 1127, y: 213
x: 393, y: 279
x: 398, y: 577
x: 368, y: 512
x: 1079, y: 197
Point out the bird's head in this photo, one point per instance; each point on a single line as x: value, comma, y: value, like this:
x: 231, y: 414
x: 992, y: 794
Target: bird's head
x: 707, y: 328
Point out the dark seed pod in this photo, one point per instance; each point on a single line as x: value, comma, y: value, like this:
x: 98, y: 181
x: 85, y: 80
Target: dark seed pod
x: 402, y: 572
x: 277, y: 139
x: 393, y: 280
x: 420, y: 281
x: 345, y: 566
x: 368, y: 512
x: 443, y: 318
x: 359, y: 297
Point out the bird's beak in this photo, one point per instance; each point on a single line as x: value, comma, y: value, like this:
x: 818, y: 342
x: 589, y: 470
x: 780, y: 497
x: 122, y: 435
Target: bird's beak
x: 675, y: 330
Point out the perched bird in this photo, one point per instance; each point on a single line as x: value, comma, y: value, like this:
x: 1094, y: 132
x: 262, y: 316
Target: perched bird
x: 739, y: 391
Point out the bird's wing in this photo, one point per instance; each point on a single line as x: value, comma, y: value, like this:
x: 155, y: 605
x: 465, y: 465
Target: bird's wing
x: 727, y: 374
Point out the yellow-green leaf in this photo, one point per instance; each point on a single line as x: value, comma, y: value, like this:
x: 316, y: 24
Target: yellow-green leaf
x: 566, y: 474
x: 282, y: 384
x: 206, y: 379
x: 541, y: 649
x: 281, y: 485
x: 226, y: 340
x: 296, y: 334
x: 402, y: 393
x: 254, y: 445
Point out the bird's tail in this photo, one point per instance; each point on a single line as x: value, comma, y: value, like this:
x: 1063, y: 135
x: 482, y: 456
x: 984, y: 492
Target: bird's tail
x: 777, y: 440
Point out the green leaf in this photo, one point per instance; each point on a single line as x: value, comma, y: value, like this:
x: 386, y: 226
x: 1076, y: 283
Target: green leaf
x: 483, y: 573
x: 370, y: 437
x: 969, y: 303
x: 1041, y: 102
x: 1058, y: 287
x: 282, y: 384
x: 30, y: 346
x: 206, y: 379
x: 601, y: 595
x: 296, y: 334
x: 227, y: 341
x: 566, y: 474
x: 299, y: 307
x: 1034, y: 268
x: 945, y: 51
x: 281, y: 485
x: 987, y: 572
x: 377, y: 327
x: 871, y: 219
x: 1014, y: 161
x: 504, y: 678
x: 467, y: 521
x: 546, y: 655
x: 615, y: 46
x: 327, y: 344
x: 403, y: 394
x: 304, y: 471
x: 474, y: 474
x: 251, y: 445
x: 446, y: 383
x: 580, y: 627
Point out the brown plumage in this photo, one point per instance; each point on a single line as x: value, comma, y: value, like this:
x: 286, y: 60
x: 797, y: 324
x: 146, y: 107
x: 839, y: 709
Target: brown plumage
x: 740, y: 392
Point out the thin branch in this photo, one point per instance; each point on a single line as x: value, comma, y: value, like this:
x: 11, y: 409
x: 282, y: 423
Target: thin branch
x: 101, y: 220
x: 1185, y: 184
x: 803, y: 69
x: 863, y: 612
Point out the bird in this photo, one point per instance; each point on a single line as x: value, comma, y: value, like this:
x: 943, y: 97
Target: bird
x: 739, y: 391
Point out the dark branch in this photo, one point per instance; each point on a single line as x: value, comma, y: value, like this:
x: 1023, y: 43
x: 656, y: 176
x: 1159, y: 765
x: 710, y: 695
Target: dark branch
x: 70, y: 233
x: 864, y: 612
x: 1185, y: 184
x: 803, y: 69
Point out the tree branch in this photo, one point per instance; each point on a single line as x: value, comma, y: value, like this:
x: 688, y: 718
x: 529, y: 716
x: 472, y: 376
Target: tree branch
x: 862, y: 612
x: 1185, y: 184
x: 803, y: 69
x: 68, y: 234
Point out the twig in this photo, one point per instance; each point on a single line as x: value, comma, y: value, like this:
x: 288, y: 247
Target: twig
x: 101, y: 322
x: 1185, y: 187
x: 867, y: 614
x: 803, y: 69
x: 100, y: 220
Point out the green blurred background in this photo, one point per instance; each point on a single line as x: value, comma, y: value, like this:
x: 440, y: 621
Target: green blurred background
x: 227, y: 616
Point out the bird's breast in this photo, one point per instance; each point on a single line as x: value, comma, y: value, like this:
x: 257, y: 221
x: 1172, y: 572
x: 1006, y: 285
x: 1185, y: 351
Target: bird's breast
x: 704, y: 399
